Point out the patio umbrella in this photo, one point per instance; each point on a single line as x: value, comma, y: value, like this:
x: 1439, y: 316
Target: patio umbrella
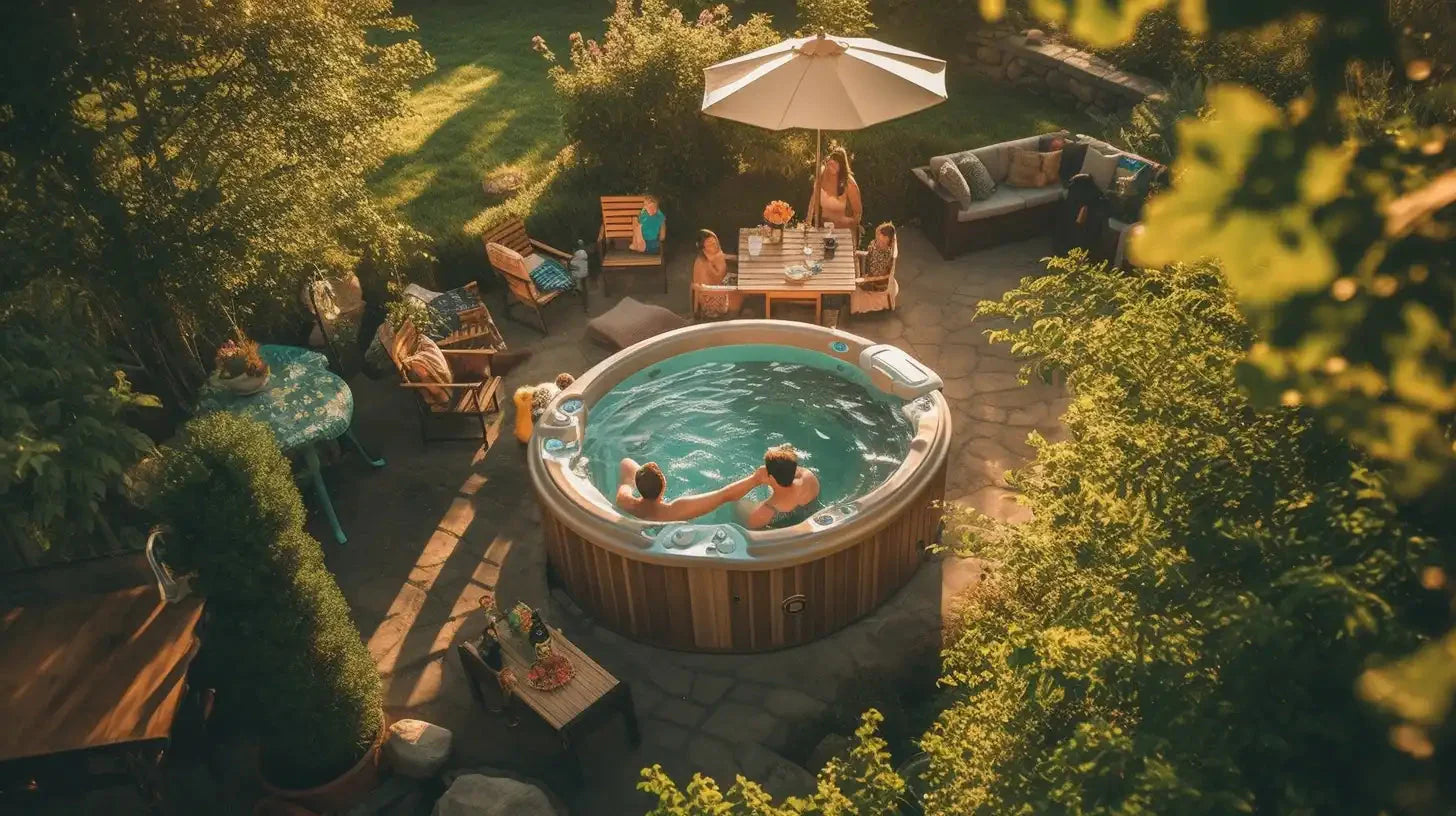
x: 825, y: 83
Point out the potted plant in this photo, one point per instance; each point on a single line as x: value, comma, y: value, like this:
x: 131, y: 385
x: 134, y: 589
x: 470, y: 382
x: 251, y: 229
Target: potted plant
x: 280, y: 639
x: 240, y: 368
x: 778, y: 214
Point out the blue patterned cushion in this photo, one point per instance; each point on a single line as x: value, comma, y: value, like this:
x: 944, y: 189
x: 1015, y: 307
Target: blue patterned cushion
x: 551, y: 276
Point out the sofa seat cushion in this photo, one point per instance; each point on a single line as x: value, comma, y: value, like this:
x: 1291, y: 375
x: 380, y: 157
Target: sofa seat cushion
x: 1037, y: 196
x: 1004, y: 200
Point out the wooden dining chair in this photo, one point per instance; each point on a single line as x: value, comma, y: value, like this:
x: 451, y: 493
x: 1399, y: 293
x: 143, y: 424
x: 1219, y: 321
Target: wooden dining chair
x: 521, y: 289
x: 703, y: 292
x: 619, y: 225
x: 865, y: 300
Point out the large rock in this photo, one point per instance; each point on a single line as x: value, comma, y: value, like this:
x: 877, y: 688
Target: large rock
x: 417, y: 749
x: 1085, y: 93
x: 833, y: 745
x: 777, y: 775
x: 1015, y: 68
x: 989, y: 55
x: 476, y: 795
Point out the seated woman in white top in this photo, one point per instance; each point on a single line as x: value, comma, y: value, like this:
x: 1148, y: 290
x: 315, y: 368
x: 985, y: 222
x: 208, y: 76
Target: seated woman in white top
x: 836, y: 195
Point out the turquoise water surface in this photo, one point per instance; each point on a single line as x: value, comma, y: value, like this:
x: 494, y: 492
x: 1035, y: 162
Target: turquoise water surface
x: 707, y: 417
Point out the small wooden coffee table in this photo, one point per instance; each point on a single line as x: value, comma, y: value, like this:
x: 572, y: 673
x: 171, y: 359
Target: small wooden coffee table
x: 763, y: 274
x: 592, y: 696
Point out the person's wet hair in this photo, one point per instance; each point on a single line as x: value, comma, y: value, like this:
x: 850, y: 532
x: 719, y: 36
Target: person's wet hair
x: 650, y: 481
x: 782, y: 463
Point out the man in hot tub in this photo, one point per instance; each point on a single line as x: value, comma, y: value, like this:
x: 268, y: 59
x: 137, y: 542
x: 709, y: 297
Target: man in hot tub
x: 792, y: 486
x: 651, y: 484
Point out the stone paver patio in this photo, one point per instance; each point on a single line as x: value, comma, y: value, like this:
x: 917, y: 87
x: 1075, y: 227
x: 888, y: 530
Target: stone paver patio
x: 441, y: 525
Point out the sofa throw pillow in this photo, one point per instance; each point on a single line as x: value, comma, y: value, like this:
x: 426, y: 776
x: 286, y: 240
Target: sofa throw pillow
x: 1100, y: 167
x: 949, y: 177
x: 1051, y: 167
x: 977, y: 176
x: 1025, y: 169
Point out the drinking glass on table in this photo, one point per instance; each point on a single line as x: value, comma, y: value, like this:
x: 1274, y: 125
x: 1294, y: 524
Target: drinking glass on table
x: 755, y: 244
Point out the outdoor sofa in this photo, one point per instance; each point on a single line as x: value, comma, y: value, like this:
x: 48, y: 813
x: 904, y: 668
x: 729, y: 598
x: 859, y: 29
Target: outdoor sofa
x: 1012, y: 213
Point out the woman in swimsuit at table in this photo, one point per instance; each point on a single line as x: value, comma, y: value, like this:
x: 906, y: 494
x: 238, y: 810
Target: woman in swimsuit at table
x: 836, y: 196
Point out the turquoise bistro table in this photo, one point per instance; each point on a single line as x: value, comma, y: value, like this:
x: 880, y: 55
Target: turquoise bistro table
x: 304, y: 403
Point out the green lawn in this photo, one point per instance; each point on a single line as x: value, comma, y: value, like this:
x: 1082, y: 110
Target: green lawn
x: 490, y: 106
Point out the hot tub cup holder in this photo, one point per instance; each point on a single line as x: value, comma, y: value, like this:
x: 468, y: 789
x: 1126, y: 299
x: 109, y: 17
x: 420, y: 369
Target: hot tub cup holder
x: 833, y: 515
x: 711, y: 539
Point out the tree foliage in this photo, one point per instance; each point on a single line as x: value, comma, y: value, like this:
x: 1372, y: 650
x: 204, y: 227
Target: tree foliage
x: 64, y: 442
x: 849, y: 18
x: 1180, y: 626
x: 287, y: 652
x: 190, y: 163
x: 632, y: 101
x: 859, y: 784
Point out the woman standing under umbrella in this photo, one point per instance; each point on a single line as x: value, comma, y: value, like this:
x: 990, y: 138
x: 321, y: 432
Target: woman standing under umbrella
x: 836, y: 195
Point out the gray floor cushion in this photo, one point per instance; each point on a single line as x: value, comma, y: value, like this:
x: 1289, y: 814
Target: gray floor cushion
x: 632, y: 321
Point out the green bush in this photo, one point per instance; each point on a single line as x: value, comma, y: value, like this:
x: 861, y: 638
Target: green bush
x: 1273, y: 58
x: 64, y: 440
x: 1181, y: 625
x: 632, y: 102
x: 290, y: 657
x: 860, y: 784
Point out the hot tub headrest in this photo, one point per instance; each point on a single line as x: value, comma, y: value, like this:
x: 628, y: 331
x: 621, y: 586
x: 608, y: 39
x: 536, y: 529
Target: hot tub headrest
x: 892, y: 370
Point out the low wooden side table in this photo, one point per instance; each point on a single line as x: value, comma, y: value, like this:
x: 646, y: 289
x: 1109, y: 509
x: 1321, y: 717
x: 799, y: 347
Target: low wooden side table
x: 592, y: 696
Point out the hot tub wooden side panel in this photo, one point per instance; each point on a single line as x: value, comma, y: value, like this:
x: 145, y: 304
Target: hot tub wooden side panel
x: 710, y: 608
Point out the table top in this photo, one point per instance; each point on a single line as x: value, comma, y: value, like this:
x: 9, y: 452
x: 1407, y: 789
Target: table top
x: 765, y: 272
x: 303, y: 401
x: 93, y: 671
x: 561, y: 706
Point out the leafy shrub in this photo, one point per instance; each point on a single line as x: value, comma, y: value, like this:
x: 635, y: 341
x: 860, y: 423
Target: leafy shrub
x: 1150, y: 128
x: 861, y: 784
x: 292, y: 660
x: 1180, y: 627
x: 632, y: 102
x: 1273, y: 58
x: 850, y: 18
x: 64, y: 440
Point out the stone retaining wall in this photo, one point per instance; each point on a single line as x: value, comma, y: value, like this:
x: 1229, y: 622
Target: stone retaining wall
x: 1057, y: 71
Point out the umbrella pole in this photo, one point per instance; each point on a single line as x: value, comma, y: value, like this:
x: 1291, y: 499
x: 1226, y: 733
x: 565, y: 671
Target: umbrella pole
x: 816, y: 217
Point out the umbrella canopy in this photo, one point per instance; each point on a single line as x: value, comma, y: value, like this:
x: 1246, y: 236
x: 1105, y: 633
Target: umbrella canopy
x: 824, y: 83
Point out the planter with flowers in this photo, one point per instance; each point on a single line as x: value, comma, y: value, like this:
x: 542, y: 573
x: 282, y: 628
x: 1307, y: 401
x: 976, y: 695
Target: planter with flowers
x: 240, y: 368
x: 777, y: 214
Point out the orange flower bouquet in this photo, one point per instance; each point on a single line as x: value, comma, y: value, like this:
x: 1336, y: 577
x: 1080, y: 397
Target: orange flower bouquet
x: 778, y: 213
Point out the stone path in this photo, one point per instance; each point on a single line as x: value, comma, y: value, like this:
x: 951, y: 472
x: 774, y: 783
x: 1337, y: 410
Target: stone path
x: 441, y: 525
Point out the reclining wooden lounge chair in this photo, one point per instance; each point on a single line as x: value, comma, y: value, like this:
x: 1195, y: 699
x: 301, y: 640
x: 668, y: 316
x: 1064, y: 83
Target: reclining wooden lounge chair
x: 619, y: 225
x: 521, y: 288
x: 471, y: 392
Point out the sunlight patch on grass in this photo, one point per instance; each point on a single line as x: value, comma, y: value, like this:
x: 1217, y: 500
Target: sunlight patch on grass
x: 436, y: 102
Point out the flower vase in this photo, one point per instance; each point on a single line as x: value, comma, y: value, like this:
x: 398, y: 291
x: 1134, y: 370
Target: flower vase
x: 776, y: 234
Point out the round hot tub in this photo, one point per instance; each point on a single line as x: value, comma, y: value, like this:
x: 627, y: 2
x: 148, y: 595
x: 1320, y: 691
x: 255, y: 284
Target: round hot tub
x: 705, y: 402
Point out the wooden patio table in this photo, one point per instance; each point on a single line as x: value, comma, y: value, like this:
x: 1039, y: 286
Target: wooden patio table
x: 764, y: 274
x: 95, y: 672
x: 592, y: 695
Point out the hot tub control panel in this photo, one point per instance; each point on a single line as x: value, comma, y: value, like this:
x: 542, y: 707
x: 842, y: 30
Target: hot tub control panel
x: 722, y: 540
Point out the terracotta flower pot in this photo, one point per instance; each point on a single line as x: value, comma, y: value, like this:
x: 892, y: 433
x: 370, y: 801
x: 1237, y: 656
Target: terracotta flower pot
x: 343, y: 791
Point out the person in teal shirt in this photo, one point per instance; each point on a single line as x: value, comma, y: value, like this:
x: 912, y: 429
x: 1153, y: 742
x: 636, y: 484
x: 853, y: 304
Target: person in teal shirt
x: 651, y: 226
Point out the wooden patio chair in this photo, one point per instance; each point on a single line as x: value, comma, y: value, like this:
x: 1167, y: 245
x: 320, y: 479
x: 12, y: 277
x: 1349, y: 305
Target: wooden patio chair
x: 520, y: 287
x: 473, y: 391
x: 863, y: 300
x: 619, y: 224
x: 512, y: 234
x: 702, y: 291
